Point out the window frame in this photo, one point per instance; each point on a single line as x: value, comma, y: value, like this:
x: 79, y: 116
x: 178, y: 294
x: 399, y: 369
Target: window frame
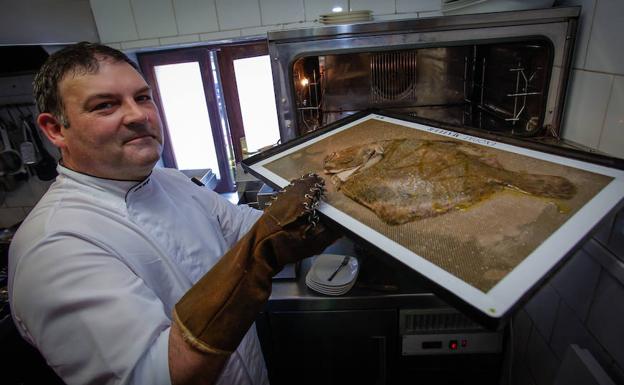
x: 226, y: 56
x: 147, y: 62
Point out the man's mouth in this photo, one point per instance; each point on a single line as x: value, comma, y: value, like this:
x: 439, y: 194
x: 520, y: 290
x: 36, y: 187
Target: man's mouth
x: 137, y: 138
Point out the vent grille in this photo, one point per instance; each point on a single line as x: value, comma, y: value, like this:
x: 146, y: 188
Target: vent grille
x: 419, y: 321
x: 393, y: 76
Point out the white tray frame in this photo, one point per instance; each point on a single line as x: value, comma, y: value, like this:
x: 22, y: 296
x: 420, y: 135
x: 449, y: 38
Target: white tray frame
x: 500, y: 299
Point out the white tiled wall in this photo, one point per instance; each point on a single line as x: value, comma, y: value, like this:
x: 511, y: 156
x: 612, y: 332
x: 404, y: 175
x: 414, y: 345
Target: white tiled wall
x: 195, y: 16
x: 405, y: 6
x: 114, y: 20
x: 235, y: 14
x: 152, y: 23
x: 155, y: 18
x: 582, y: 304
x: 594, y: 114
x: 612, y: 137
x: 314, y: 8
x: 588, y: 96
x: 377, y: 7
x: 605, y: 52
x: 281, y: 11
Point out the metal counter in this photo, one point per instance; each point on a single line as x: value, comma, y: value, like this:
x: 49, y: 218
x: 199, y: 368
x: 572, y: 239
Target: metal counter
x: 401, y: 288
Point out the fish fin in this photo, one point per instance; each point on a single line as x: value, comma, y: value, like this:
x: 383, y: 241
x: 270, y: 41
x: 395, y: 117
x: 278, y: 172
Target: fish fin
x: 548, y: 186
x: 372, y: 161
x: 345, y: 174
x: 336, y: 181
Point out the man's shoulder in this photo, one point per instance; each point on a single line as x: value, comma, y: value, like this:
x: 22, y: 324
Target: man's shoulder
x: 66, y: 209
x: 176, y: 182
x: 168, y: 173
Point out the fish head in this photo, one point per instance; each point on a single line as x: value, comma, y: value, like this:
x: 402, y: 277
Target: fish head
x: 351, y: 157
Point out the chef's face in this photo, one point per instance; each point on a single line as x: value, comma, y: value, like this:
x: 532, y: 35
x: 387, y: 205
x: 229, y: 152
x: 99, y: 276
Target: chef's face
x: 114, y: 130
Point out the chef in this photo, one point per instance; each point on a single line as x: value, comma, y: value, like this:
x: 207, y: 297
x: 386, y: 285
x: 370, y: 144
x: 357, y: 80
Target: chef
x: 125, y: 273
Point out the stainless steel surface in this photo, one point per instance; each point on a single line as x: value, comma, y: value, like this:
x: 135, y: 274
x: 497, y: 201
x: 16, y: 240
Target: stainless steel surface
x: 406, y: 290
x: 551, y: 15
x: 383, y: 85
x: 421, y: 64
x: 444, y: 332
x: 451, y: 343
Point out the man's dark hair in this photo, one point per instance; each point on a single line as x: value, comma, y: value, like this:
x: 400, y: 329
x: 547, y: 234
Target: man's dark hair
x: 83, y: 57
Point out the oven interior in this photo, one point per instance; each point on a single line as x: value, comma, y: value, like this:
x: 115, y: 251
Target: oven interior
x: 499, y: 87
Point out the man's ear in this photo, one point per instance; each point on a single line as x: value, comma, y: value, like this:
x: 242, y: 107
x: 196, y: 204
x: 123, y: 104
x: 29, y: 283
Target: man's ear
x: 52, y: 128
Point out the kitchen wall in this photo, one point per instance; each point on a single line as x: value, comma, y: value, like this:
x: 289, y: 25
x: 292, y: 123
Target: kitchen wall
x: 132, y: 24
x: 595, y: 109
x: 582, y: 304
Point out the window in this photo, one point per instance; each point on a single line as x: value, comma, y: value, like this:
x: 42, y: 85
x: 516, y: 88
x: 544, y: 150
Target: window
x: 257, y: 102
x: 217, y: 105
x: 249, y: 97
x: 186, y: 114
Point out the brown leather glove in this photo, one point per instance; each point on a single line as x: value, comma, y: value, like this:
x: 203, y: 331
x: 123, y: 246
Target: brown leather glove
x: 217, y: 311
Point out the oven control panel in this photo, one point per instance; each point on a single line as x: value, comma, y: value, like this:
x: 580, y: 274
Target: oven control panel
x: 448, y: 343
x: 444, y: 331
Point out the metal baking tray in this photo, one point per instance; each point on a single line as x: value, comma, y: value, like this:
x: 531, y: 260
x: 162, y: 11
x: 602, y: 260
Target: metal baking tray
x: 485, y: 258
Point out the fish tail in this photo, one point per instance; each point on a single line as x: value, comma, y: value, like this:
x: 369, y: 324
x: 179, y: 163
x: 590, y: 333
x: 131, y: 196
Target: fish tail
x: 548, y: 186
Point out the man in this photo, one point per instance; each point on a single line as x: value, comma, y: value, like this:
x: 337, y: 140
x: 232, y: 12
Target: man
x: 126, y: 273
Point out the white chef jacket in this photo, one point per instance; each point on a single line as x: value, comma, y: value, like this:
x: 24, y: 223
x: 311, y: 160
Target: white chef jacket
x: 98, y: 265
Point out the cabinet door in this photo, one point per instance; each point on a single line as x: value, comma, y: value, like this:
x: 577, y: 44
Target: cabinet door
x: 332, y: 347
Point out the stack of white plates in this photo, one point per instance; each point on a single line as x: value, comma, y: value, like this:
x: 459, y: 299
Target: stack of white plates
x: 319, y: 278
x: 345, y: 17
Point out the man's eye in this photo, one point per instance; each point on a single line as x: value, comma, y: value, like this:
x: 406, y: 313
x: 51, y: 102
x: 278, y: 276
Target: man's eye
x: 103, y: 106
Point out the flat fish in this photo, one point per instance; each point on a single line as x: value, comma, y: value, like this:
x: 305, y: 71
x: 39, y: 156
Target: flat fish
x: 403, y: 180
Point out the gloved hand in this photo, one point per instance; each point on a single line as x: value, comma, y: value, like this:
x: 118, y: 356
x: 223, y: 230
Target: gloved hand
x: 217, y: 311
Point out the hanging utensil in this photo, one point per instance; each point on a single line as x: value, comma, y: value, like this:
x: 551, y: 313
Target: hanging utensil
x: 10, y: 160
x: 46, y: 167
x: 27, y: 148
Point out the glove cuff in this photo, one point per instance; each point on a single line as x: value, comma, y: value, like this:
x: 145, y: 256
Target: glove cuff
x: 196, y: 342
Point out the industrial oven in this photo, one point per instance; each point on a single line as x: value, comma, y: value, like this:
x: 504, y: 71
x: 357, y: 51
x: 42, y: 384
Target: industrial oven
x: 504, y: 72
x: 491, y: 79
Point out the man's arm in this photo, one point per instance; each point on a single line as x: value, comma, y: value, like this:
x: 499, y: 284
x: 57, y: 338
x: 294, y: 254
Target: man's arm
x: 187, y: 366
x: 214, y: 315
x: 88, y: 314
x: 235, y: 220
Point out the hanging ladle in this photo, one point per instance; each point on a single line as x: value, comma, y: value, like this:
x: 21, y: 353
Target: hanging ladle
x: 27, y: 148
x: 10, y: 160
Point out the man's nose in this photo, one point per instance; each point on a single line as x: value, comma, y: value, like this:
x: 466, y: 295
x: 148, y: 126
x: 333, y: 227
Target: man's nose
x: 134, y: 113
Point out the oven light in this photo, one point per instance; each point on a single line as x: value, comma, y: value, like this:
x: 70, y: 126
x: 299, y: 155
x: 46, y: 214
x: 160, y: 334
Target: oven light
x: 337, y: 9
x: 304, y: 82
